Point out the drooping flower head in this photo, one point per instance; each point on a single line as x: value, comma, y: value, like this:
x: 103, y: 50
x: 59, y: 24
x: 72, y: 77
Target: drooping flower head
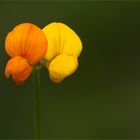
x: 64, y: 47
x: 26, y: 44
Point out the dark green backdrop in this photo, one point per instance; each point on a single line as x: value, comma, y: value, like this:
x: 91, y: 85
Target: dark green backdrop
x: 102, y: 98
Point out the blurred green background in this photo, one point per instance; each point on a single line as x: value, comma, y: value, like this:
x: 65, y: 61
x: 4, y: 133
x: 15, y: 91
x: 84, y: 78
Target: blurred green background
x: 102, y: 98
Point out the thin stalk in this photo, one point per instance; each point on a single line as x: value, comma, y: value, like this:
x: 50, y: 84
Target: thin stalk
x: 36, y: 86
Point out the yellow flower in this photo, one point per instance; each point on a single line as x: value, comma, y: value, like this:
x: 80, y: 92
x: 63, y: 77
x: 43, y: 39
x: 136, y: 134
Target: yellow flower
x: 64, y: 47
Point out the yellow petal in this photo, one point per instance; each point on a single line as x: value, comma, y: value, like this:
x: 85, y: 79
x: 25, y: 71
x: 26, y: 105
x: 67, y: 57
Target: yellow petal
x: 72, y: 44
x: 62, y: 66
x: 52, y: 33
x: 61, y: 39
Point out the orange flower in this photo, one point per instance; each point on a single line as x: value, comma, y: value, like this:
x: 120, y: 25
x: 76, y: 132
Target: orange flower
x: 26, y: 44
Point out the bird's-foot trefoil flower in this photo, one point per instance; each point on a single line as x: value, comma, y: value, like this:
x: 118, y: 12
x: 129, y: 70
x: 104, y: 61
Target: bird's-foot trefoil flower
x: 56, y: 46
x: 64, y: 47
x: 26, y: 44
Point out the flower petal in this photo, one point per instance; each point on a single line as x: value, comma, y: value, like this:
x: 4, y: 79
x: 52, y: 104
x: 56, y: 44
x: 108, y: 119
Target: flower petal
x: 61, y: 39
x: 18, y: 68
x: 71, y: 42
x: 28, y: 41
x: 61, y: 67
x: 53, y: 36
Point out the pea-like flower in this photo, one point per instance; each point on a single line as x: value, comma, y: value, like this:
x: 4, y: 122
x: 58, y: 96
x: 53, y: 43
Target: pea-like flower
x: 64, y: 47
x: 26, y: 44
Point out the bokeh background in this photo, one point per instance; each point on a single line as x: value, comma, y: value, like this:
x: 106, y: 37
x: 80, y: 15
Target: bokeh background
x: 102, y: 98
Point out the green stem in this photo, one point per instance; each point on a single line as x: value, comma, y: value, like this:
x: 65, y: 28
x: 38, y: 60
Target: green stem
x: 36, y: 86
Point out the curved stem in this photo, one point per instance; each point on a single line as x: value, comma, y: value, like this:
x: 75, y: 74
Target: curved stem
x: 36, y: 86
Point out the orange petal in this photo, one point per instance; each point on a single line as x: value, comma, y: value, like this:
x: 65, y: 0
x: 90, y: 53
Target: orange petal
x: 28, y: 41
x: 18, y: 68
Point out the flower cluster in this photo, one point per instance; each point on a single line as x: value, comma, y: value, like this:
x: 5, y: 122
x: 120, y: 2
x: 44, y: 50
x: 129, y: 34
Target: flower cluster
x: 56, y: 44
